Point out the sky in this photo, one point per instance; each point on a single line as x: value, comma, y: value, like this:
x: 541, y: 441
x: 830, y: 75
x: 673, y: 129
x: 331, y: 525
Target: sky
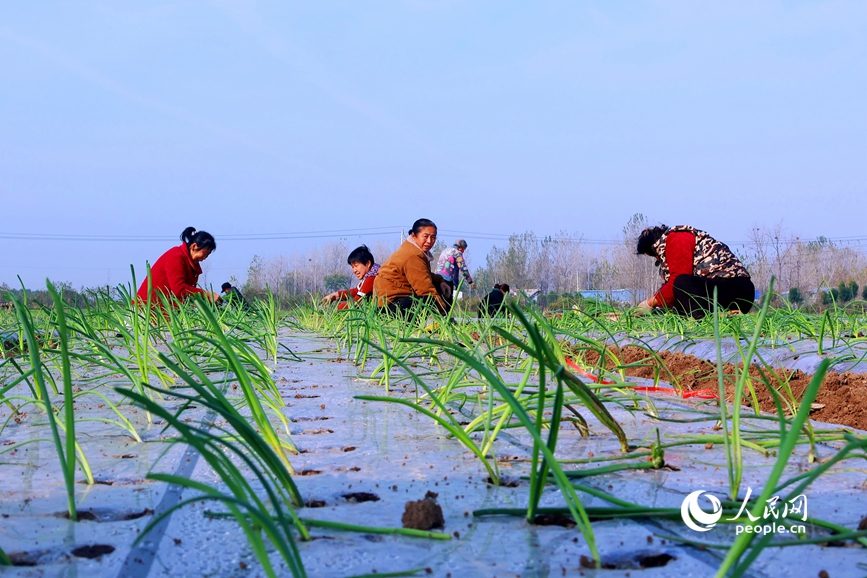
x: 349, y: 120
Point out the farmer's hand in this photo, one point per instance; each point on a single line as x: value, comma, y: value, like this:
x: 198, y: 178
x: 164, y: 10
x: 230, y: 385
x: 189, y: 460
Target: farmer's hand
x: 329, y: 298
x: 644, y: 307
x: 473, y: 286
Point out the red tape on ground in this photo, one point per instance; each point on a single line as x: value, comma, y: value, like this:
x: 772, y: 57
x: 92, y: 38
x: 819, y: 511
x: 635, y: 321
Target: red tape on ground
x: 699, y: 393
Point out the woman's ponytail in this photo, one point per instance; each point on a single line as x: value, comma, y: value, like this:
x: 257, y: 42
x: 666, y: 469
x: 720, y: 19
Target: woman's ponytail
x: 202, y: 239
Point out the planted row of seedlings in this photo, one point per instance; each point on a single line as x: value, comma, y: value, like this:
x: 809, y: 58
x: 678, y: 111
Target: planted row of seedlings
x: 162, y: 360
x: 477, y: 379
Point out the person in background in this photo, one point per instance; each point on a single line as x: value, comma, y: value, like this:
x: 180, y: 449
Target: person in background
x: 232, y: 295
x: 451, y: 264
x: 176, y: 272
x: 691, y: 264
x: 364, y: 268
x: 405, y: 278
x: 492, y: 303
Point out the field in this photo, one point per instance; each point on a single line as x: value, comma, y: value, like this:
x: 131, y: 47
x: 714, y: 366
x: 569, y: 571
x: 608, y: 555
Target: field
x: 203, y: 441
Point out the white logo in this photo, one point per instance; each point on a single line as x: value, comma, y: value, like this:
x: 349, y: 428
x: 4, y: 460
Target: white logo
x: 776, y: 521
x: 697, y: 519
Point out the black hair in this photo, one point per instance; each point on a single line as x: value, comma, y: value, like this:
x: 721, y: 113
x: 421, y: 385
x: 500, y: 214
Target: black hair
x: 504, y: 287
x: 421, y: 224
x: 648, y: 238
x: 360, y: 255
x: 225, y: 286
x: 202, y: 239
x: 496, y: 285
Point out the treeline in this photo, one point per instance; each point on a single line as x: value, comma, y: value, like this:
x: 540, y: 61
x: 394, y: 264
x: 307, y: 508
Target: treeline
x: 34, y: 297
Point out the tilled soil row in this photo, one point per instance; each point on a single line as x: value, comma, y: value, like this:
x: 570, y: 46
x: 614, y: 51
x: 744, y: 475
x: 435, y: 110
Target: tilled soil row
x: 842, y: 399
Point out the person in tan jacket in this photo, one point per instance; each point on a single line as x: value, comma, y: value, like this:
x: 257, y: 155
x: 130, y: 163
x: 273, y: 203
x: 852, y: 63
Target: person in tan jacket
x: 405, y: 278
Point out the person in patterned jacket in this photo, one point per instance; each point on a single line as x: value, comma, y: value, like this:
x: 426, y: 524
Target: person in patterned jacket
x: 451, y: 264
x: 691, y: 264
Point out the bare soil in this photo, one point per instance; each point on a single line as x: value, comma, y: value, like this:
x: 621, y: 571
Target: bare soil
x: 842, y: 398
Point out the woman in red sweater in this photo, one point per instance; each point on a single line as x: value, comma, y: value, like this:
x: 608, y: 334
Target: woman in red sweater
x: 691, y: 264
x: 363, y: 267
x: 176, y: 273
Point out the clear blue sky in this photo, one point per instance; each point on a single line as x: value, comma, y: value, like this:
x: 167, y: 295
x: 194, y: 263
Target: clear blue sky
x: 140, y: 118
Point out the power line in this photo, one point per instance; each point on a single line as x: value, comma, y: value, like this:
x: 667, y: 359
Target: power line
x: 580, y: 239
x: 229, y: 237
x: 372, y: 231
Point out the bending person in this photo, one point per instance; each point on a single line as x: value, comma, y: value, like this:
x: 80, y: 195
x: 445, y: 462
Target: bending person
x: 691, y: 264
x: 451, y: 264
x: 365, y: 269
x: 176, y: 272
x: 232, y: 295
x: 492, y: 303
x: 405, y: 278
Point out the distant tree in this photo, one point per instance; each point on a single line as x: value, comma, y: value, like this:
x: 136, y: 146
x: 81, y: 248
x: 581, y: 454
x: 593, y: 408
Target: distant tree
x: 844, y: 293
x: 832, y: 296
x: 335, y: 282
x: 796, y: 296
x: 484, y: 280
x: 436, y: 251
x: 514, y: 264
x: 864, y: 294
x: 254, y: 275
x: 853, y: 289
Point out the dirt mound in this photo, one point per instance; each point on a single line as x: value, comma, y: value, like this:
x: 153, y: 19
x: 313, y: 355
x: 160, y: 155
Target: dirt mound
x: 423, y: 514
x: 842, y: 399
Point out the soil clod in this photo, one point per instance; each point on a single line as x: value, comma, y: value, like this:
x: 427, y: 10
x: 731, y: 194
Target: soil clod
x: 103, y: 515
x: 92, y: 551
x: 358, y: 497
x: 635, y: 561
x: 423, y: 514
x: 554, y: 520
x: 138, y: 514
x: 504, y: 482
x: 82, y: 516
x: 33, y: 558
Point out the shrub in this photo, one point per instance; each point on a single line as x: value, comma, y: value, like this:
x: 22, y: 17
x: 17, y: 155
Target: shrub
x: 796, y: 296
x: 335, y: 282
x: 844, y: 293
